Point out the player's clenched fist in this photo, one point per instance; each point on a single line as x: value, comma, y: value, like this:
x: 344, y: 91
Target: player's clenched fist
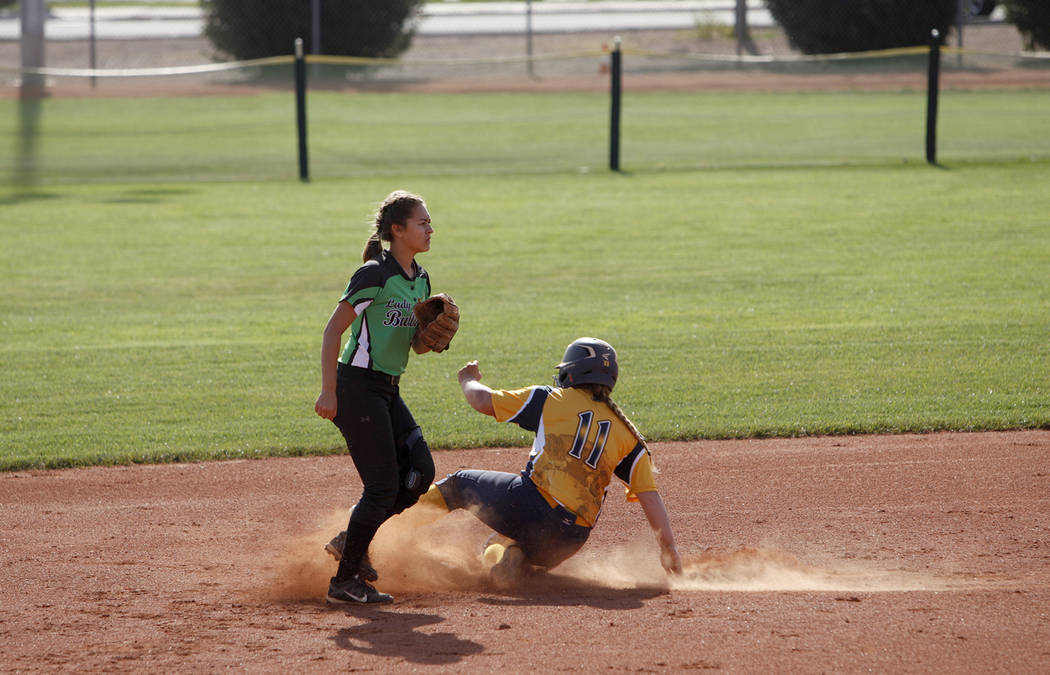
x: 326, y: 405
x: 470, y: 371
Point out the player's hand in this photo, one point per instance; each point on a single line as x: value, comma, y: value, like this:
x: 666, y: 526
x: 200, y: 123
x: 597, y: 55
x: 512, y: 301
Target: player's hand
x: 327, y: 405
x: 671, y: 561
x: 469, y: 372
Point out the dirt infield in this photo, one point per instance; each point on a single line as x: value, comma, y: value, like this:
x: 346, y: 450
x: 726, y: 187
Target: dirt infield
x: 911, y: 553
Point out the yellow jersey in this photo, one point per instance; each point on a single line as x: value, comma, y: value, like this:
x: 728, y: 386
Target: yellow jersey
x: 580, y: 445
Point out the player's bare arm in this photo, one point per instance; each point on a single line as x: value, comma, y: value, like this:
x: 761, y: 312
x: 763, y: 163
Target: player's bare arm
x: 656, y: 513
x: 341, y: 318
x: 478, y: 395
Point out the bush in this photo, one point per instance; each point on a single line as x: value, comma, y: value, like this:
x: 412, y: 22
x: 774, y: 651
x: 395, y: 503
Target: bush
x: 833, y: 26
x: 1032, y: 18
x: 249, y: 29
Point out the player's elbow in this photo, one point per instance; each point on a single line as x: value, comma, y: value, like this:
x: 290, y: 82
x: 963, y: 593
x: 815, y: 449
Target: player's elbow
x: 480, y: 399
x: 483, y: 404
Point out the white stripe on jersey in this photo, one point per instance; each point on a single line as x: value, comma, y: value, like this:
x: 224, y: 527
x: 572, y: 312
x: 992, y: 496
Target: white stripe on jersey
x: 532, y: 395
x: 539, y: 443
x: 361, y: 356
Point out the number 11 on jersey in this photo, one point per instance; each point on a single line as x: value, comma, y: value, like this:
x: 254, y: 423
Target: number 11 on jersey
x: 583, y: 429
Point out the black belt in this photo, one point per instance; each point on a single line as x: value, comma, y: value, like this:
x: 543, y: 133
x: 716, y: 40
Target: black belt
x: 347, y: 370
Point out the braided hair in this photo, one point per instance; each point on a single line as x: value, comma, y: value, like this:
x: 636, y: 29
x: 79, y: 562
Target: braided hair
x: 602, y: 393
x: 396, y: 208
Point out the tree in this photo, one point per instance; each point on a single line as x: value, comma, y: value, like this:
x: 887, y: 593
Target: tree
x: 248, y: 29
x: 1032, y: 18
x: 833, y: 26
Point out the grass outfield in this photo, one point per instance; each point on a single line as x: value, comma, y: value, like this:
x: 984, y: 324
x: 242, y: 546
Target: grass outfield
x: 118, y: 140
x: 156, y: 322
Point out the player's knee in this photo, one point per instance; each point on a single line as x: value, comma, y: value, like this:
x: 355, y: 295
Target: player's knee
x: 416, y: 483
x: 420, y: 465
x: 449, y: 490
x: 434, y: 498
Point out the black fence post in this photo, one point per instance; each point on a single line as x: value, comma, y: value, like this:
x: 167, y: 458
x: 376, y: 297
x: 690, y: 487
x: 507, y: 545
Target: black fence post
x: 300, y: 108
x: 614, y: 119
x: 932, y: 94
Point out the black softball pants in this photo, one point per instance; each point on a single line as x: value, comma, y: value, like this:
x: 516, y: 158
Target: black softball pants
x: 386, y: 446
x: 512, y: 505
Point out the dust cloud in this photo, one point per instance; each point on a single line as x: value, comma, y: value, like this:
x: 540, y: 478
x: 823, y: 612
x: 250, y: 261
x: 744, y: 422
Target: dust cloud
x: 429, y: 551
x: 300, y: 568
x: 766, y: 569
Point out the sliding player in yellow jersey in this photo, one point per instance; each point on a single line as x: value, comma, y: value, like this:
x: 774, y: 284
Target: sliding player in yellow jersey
x: 543, y: 515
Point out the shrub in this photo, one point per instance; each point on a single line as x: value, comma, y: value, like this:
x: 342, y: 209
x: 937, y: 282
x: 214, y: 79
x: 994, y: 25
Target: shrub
x: 1032, y: 18
x: 248, y: 29
x: 833, y: 26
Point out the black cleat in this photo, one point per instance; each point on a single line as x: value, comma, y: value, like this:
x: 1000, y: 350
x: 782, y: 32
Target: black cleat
x: 355, y: 591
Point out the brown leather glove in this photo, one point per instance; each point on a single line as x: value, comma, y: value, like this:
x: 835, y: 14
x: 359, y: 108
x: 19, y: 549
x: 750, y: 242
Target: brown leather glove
x: 438, y: 318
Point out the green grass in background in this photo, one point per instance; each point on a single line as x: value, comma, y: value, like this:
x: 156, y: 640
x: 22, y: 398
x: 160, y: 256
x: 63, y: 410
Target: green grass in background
x: 188, y: 139
x: 153, y: 322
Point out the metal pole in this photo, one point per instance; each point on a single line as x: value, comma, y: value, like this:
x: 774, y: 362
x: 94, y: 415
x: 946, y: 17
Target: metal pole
x: 31, y: 91
x: 932, y: 92
x: 614, y: 119
x: 528, y: 34
x: 33, y: 15
x: 300, y: 109
x: 315, y: 36
x: 744, y: 42
x: 315, y: 26
x: 92, y: 62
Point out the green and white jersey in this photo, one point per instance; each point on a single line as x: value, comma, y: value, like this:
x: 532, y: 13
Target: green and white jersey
x: 383, y: 296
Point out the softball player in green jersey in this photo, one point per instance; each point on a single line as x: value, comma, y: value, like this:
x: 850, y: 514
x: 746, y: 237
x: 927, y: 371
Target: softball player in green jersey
x: 359, y: 387
x: 543, y: 515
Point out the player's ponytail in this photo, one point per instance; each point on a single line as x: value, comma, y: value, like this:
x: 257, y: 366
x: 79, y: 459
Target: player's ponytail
x: 373, y: 247
x: 396, y: 208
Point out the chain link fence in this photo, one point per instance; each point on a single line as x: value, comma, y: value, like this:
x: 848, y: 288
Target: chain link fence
x: 144, y: 34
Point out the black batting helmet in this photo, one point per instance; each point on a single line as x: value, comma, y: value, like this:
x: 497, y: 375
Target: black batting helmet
x: 587, y: 361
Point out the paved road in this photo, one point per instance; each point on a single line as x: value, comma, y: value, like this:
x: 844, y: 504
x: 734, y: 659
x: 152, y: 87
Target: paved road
x: 476, y: 18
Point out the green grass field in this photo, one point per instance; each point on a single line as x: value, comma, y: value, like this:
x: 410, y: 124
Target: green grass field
x: 193, y: 139
x: 156, y: 321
